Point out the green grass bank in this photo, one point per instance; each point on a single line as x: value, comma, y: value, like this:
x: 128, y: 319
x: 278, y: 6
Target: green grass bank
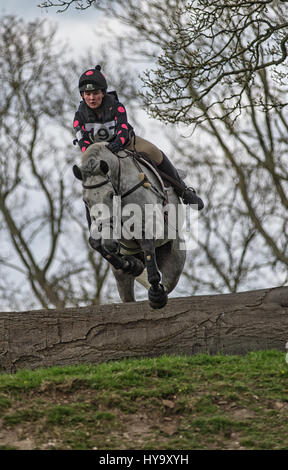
x: 170, y: 402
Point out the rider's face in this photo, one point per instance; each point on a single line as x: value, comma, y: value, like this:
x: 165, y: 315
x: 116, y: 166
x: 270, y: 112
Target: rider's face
x: 93, y: 99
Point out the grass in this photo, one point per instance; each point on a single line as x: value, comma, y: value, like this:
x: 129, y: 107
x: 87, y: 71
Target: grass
x: 170, y: 402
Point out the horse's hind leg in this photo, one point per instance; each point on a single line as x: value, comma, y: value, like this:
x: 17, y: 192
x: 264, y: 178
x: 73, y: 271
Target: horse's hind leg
x: 171, y: 260
x: 125, y: 285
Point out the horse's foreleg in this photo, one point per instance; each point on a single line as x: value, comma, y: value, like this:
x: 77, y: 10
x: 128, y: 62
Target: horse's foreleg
x: 128, y: 264
x: 125, y: 269
x: 156, y: 293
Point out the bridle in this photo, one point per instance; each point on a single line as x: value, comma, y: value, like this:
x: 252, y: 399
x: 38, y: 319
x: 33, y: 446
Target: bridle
x: 144, y: 181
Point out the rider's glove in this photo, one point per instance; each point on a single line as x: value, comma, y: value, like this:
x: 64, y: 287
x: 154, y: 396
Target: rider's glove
x: 115, y: 146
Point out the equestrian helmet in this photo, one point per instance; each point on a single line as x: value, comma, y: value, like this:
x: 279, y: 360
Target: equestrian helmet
x: 92, y: 79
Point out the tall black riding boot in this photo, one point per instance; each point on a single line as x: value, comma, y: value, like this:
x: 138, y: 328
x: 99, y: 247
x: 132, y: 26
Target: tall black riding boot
x: 188, y: 195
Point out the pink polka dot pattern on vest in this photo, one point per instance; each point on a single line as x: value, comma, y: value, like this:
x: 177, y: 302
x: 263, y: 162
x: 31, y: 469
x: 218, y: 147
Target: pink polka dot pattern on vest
x: 76, y: 123
x: 124, y: 126
x: 89, y: 72
x: 121, y: 109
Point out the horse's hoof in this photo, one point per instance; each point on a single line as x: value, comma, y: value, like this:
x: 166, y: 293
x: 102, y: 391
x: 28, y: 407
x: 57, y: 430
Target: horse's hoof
x: 157, y: 297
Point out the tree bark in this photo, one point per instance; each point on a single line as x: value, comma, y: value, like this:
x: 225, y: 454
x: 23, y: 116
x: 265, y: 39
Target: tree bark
x: 228, y: 324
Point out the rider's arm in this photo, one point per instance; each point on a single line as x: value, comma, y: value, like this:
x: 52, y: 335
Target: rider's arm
x: 121, y: 129
x: 82, y: 135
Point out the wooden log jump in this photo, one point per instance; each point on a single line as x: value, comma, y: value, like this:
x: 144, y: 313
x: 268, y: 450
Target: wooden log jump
x: 227, y: 324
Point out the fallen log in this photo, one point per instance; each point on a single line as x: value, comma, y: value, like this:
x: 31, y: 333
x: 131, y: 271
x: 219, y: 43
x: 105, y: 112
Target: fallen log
x: 227, y: 324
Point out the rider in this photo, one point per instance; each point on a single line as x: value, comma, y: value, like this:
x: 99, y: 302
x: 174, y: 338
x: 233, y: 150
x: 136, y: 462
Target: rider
x: 101, y: 117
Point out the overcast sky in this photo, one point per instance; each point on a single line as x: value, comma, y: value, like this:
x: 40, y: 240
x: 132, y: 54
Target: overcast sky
x: 29, y: 9
x: 78, y: 27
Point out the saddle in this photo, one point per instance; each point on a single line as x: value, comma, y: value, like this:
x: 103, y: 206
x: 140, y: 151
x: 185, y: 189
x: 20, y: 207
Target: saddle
x: 165, y: 180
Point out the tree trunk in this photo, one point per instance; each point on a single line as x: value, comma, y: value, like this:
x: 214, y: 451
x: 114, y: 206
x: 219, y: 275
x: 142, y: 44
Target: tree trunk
x: 228, y: 324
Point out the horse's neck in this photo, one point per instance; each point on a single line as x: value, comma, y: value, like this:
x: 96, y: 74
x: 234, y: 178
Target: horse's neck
x: 130, y: 172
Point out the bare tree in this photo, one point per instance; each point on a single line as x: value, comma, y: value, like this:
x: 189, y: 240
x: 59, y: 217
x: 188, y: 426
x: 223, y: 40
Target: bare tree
x: 213, y: 54
x: 211, y: 46
x: 64, y: 5
x: 44, y: 260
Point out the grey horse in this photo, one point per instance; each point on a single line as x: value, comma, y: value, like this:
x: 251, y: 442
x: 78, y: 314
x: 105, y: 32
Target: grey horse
x: 147, y: 247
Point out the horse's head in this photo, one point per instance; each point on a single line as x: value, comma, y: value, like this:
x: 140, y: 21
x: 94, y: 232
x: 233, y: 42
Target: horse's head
x: 100, y: 197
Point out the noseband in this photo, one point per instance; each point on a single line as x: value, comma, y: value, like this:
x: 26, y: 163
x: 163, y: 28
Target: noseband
x: 95, y: 186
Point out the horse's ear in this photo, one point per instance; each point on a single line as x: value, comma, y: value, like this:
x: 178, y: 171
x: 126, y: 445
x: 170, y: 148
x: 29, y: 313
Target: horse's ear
x: 104, y: 167
x: 77, y: 172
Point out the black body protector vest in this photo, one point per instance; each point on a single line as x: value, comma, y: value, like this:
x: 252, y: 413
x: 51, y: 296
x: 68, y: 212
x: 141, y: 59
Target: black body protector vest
x: 100, y: 125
